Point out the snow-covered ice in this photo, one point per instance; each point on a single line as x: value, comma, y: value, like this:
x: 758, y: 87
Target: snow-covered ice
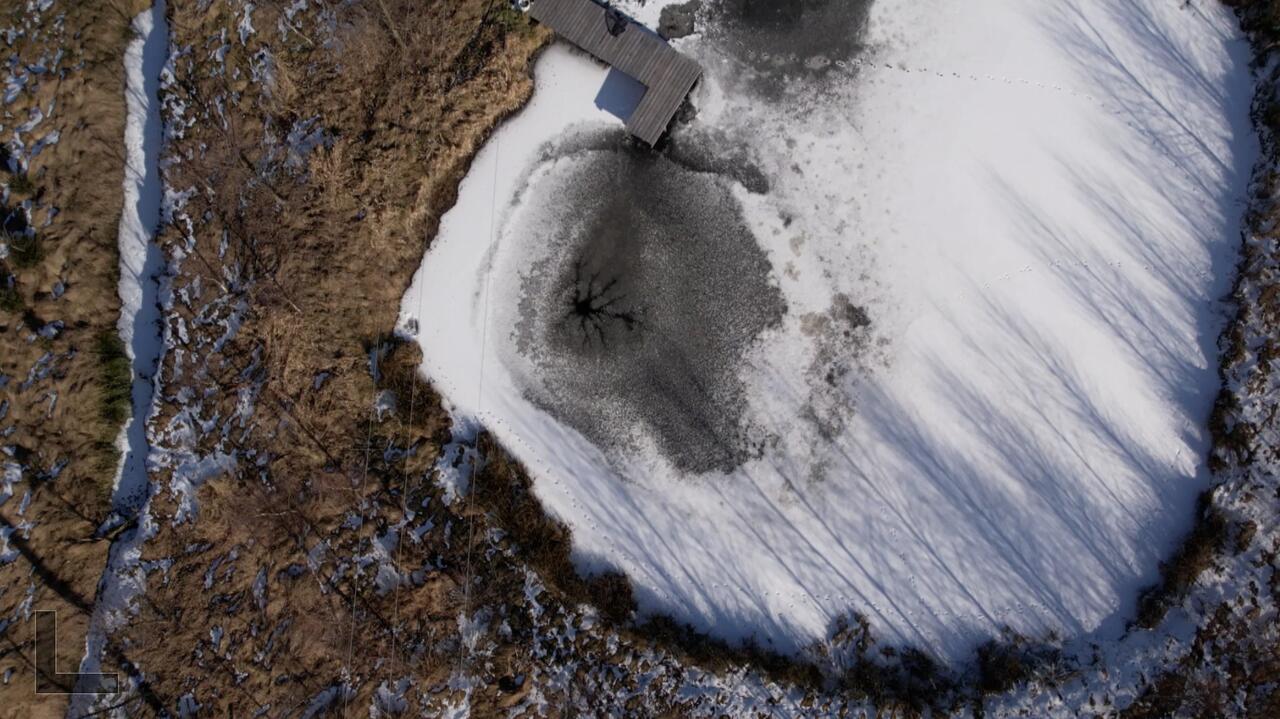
x: 1035, y: 206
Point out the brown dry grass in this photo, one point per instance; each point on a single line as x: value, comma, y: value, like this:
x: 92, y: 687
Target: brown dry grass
x: 81, y: 176
x: 330, y: 253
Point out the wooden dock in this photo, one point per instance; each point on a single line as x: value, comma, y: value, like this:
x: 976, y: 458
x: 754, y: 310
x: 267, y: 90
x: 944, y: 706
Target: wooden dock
x: 631, y: 48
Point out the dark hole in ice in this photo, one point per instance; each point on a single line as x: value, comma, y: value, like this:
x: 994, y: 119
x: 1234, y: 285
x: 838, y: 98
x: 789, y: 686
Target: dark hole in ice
x: 650, y: 295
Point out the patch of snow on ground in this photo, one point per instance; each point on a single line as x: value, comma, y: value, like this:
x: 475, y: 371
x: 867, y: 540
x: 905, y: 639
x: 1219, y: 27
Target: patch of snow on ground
x: 1037, y: 208
x: 245, y: 28
x: 388, y: 699
x: 324, y: 700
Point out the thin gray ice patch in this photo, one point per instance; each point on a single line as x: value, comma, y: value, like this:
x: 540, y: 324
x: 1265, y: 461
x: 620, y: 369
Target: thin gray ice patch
x: 785, y: 42
x: 140, y: 264
x: 649, y: 289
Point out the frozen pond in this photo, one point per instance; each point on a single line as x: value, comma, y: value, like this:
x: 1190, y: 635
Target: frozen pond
x: 915, y: 318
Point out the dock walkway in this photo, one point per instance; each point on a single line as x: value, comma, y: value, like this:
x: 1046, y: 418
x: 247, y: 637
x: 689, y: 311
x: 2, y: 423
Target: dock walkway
x: 631, y: 48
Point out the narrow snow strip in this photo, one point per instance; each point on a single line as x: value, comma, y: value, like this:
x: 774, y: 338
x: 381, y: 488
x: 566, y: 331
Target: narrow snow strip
x: 140, y: 259
x: 140, y: 263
